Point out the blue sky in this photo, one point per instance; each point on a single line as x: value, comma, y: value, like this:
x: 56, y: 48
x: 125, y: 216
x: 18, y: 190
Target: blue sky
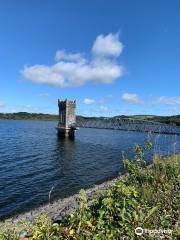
x: 115, y: 57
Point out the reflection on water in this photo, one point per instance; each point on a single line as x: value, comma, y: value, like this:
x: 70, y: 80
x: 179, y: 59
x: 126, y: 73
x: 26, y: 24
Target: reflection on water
x: 33, y: 160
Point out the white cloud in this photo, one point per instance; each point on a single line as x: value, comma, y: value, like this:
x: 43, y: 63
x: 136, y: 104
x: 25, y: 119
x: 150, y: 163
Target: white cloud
x: 28, y: 108
x: 177, y: 110
x: 131, y: 98
x: 108, y: 45
x: 73, y: 70
x: 2, y: 104
x: 44, y: 94
x: 89, y: 101
x: 169, y: 100
x: 172, y: 109
x: 153, y: 101
x: 103, y: 109
x: 106, y: 99
x: 62, y: 55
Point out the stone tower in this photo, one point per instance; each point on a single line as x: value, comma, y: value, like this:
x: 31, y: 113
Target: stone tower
x: 67, y: 118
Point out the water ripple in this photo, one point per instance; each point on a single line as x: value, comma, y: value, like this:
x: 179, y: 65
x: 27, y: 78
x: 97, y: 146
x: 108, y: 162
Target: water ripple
x: 32, y: 160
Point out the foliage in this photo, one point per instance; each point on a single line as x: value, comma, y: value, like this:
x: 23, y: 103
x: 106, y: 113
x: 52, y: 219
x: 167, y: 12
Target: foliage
x: 146, y: 197
x: 28, y: 116
x: 174, y: 120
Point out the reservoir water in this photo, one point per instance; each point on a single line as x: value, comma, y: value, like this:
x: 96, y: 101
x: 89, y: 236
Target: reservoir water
x: 33, y: 160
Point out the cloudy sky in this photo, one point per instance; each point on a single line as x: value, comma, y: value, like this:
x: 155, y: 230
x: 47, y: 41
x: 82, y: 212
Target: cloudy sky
x: 113, y: 56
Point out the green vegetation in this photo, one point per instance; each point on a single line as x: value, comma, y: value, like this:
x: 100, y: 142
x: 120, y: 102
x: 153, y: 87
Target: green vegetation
x: 175, y: 120
x: 28, y: 116
x: 32, y: 116
x: 169, y: 120
x: 146, y: 197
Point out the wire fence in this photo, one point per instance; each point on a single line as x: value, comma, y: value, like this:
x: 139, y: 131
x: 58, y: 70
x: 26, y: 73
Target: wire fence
x: 130, y: 125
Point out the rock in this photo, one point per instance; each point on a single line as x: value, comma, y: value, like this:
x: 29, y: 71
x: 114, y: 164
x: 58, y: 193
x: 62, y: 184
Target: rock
x: 58, y: 209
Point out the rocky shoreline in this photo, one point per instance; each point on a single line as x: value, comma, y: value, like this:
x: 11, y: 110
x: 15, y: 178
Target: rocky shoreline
x: 56, y: 210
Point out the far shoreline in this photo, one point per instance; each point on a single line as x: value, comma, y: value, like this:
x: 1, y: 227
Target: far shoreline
x: 171, y: 120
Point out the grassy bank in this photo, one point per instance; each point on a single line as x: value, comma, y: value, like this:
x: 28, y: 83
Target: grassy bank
x: 147, y: 197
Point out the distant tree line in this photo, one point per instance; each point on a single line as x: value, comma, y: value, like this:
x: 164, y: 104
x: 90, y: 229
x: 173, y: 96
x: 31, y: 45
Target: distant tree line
x: 175, y: 120
x: 28, y: 116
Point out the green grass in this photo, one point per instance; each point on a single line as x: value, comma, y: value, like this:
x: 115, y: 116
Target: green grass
x: 147, y: 197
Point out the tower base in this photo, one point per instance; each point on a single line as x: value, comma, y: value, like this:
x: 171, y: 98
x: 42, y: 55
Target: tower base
x: 66, y: 132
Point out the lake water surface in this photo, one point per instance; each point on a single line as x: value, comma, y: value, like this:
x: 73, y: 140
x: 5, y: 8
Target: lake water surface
x: 33, y: 160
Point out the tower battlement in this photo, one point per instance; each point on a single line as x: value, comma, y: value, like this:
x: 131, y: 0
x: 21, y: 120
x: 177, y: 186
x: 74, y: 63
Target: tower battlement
x: 65, y: 103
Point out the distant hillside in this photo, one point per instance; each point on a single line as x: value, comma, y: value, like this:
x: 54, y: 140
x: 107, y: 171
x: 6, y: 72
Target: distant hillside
x: 162, y: 119
x: 139, y: 117
x: 50, y: 117
x: 28, y: 116
x: 33, y: 116
x: 169, y: 120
